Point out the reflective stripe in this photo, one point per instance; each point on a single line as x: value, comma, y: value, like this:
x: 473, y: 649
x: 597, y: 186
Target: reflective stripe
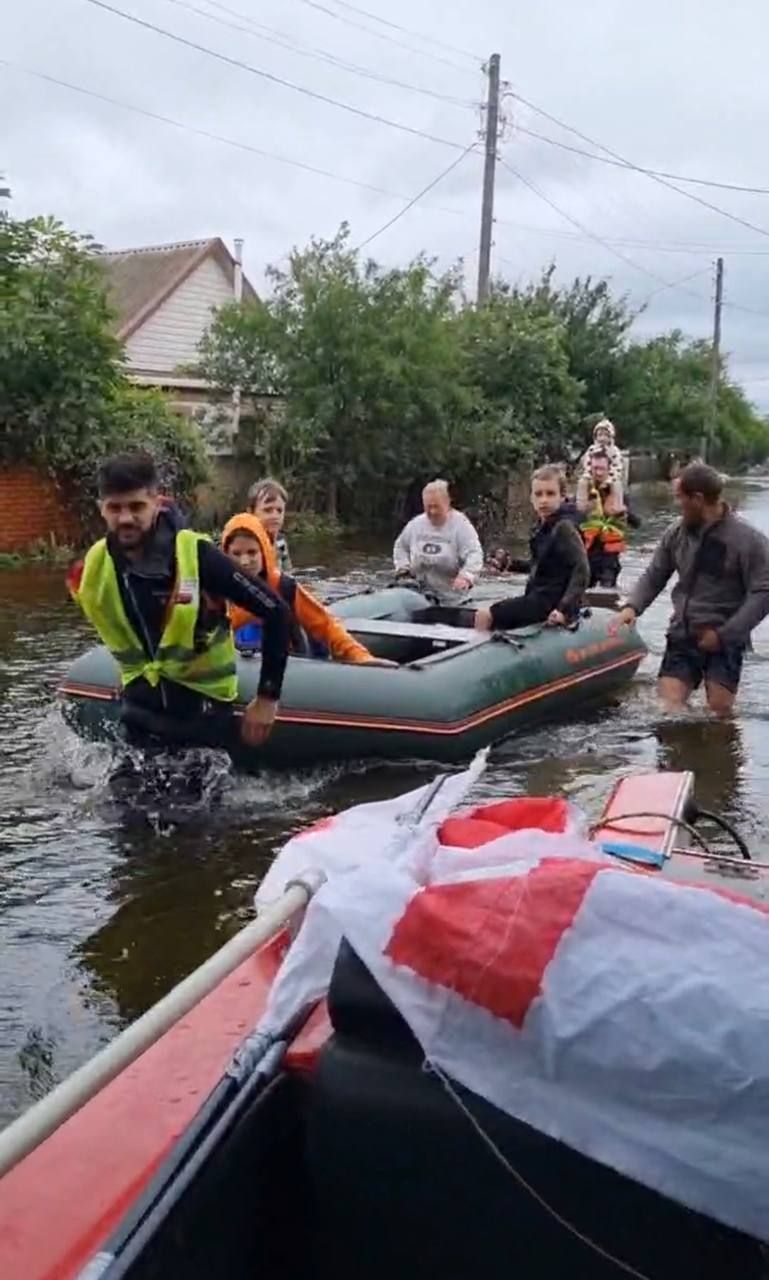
x: 185, y: 655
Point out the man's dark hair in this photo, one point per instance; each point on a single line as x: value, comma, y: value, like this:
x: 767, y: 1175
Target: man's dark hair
x: 599, y: 453
x: 697, y: 477
x: 126, y: 471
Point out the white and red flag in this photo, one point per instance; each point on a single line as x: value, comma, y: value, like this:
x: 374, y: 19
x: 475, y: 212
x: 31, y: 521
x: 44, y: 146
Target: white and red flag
x: 622, y: 1013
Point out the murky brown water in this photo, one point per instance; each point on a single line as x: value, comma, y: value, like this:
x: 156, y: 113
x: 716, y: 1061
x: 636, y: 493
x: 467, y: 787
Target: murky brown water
x: 102, y: 911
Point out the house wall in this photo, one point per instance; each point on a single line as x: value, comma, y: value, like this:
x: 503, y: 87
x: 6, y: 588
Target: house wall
x: 170, y: 336
x: 35, y: 510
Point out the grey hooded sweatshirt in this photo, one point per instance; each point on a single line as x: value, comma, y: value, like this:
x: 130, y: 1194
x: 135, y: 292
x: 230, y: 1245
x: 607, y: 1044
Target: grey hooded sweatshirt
x: 723, y: 579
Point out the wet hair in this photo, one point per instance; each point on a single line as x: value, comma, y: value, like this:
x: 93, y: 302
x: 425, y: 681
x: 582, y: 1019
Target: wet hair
x: 437, y: 486
x: 698, y: 477
x: 550, y: 472
x: 266, y: 489
x: 126, y: 471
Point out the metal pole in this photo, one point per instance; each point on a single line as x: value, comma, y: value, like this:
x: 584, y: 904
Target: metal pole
x: 711, y: 424
x: 489, y: 169
x: 41, y: 1120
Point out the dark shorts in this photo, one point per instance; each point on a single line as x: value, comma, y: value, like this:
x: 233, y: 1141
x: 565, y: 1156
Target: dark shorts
x: 682, y: 660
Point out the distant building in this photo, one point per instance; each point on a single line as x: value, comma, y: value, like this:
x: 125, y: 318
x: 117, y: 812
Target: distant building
x: 163, y: 297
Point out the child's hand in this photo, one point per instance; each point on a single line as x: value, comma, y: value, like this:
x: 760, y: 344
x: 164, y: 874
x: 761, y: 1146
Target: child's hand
x: 555, y: 619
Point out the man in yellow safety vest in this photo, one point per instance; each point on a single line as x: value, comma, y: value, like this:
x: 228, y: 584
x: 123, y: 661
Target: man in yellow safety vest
x: 156, y: 594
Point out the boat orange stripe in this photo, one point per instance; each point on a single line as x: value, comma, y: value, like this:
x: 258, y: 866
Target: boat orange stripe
x: 450, y: 728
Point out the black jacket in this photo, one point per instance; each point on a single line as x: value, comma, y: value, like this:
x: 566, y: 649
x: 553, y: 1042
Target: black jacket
x: 145, y: 587
x: 557, y: 566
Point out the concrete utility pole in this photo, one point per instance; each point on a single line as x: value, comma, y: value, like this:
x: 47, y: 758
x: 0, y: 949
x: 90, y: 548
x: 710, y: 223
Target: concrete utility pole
x: 711, y: 423
x: 487, y: 209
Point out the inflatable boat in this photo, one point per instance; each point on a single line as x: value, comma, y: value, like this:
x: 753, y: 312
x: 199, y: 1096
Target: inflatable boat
x: 454, y: 690
x: 185, y: 1150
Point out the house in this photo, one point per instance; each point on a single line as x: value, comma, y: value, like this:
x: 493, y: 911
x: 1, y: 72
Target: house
x: 163, y: 297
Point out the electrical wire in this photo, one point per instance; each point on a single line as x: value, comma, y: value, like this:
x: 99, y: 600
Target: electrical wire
x: 283, y: 40
x: 381, y: 35
x: 653, y: 173
x: 396, y: 26
x: 674, y: 284
x: 268, y: 75
x: 655, y: 177
x: 214, y: 137
x: 396, y: 217
x: 591, y: 234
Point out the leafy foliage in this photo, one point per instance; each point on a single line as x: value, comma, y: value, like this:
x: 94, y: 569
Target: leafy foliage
x: 65, y: 401
x: 387, y: 377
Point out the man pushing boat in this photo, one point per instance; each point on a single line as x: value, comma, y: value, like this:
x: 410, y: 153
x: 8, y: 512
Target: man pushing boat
x: 721, y: 594
x: 156, y: 594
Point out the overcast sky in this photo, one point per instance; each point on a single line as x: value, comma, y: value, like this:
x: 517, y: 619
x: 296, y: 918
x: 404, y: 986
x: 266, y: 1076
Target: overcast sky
x: 676, y: 85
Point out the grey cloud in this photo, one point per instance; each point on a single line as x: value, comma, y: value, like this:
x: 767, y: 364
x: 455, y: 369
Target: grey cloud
x: 679, y: 87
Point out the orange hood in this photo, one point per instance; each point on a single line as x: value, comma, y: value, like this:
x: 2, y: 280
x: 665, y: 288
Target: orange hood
x: 252, y: 524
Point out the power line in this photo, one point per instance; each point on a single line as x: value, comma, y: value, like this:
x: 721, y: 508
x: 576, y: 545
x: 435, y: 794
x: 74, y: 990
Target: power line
x: 675, y: 284
x: 395, y: 26
x: 283, y: 40
x: 273, y: 79
x: 586, y: 230
x: 634, y: 168
x: 443, y: 174
x: 381, y: 35
x: 215, y: 137
x: 663, y: 182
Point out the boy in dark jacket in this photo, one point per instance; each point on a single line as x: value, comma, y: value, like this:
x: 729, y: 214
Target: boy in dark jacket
x: 558, y: 568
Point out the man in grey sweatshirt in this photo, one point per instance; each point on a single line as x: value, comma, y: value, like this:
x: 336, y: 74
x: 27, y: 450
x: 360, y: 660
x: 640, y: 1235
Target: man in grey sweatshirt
x: 721, y: 594
x: 440, y: 548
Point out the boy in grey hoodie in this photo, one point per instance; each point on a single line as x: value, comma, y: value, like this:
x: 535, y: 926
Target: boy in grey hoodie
x: 722, y: 591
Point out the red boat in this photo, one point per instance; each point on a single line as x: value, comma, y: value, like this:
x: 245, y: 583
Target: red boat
x: 334, y: 1153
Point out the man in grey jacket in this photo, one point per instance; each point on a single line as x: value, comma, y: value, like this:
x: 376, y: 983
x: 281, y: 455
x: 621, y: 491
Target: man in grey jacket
x: 722, y: 591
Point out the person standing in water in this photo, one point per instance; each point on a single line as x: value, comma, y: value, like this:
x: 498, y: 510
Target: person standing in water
x: 156, y: 595
x: 721, y: 592
x: 440, y: 548
x: 557, y: 566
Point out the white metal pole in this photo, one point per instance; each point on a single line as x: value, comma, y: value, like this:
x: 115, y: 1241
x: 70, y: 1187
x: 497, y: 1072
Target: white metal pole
x: 42, y: 1119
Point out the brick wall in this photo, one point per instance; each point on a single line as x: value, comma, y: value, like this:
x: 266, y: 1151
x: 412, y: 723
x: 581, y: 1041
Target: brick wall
x: 34, y: 509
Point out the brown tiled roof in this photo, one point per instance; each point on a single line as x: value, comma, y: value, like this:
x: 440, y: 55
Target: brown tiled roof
x: 141, y: 279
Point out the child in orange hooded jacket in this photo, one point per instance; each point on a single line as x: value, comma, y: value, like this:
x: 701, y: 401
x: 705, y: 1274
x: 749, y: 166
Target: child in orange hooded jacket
x: 246, y: 541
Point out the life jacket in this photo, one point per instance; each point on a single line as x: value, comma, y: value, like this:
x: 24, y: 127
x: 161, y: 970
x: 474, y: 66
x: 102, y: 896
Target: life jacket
x: 248, y: 637
x: 609, y: 531
x: 200, y: 659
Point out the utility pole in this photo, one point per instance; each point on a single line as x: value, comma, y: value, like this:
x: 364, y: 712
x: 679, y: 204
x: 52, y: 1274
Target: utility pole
x: 487, y: 209
x: 711, y: 424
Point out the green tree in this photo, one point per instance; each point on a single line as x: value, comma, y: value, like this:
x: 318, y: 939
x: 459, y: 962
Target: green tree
x: 368, y: 364
x: 65, y: 401
x: 516, y: 358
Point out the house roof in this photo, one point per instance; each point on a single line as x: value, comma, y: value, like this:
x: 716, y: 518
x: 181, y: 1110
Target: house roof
x: 139, y: 280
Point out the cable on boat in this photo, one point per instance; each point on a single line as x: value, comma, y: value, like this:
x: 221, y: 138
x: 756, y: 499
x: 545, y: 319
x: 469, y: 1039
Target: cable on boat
x: 666, y: 817
x: 626, y: 1267
x: 725, y: 826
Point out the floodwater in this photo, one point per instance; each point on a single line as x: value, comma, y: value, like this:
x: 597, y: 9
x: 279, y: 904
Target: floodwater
x: 102, y: 909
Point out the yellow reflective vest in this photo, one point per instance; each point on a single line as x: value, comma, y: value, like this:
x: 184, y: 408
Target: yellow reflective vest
x: 203, y: 662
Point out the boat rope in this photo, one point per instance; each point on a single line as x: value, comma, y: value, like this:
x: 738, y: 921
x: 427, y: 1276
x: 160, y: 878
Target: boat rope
x: 613, y: 825
x: 626, y: 1267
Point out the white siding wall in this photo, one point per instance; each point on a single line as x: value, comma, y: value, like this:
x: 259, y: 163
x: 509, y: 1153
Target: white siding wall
x: 170, y: 336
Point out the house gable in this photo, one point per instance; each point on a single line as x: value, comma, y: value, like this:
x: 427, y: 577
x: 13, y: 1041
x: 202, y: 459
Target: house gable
x: 168, y: 337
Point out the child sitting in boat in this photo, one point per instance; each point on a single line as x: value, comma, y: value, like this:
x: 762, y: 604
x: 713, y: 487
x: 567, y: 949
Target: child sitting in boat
x: 248, y: 544
x: 267, y: 500
x: 557, y: 567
